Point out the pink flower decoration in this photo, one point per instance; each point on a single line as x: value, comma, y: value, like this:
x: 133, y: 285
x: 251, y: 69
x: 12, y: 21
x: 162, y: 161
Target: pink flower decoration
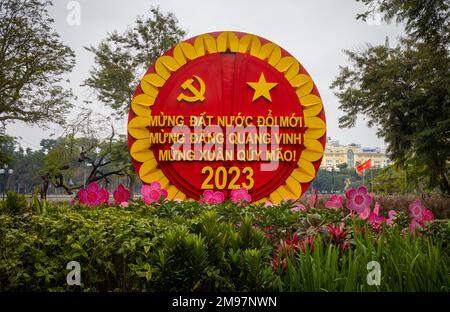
x: 153, y: 192
x: 268, y: 204
x: 240, y: 195
x: 392, y: 216
x: 124, y: 204
x: 93, y: 195
x: 298, y: 207
x: 414, y: 225
x: 416, y: 210
x: 121, y: 194
x: 376, y: 209
x: 335, y: 202
x: 358, y: 199
x: 364, y: 214
x: 211, y: 197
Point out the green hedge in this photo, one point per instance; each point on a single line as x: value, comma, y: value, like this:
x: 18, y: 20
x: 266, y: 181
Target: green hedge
x: 193, y: 247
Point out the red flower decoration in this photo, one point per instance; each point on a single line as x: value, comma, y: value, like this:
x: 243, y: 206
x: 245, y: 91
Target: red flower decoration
x: 121, y: 194
x: 93, y: 195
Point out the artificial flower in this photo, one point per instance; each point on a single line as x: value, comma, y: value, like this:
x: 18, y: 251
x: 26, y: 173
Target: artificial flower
x: 414, y: 225
x: 335, y: 202
x: 392, y: 215
x: 240, y: 195
x: 121, y: 194
x: 211, y: 197
x: 416, y: 210
x: 358, y: 199
x: 298, y: 207
x: 153, y: 192
x: 93, y: 195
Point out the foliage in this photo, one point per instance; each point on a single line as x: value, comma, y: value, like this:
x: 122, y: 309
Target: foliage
x: 404, y: 91
x: 121, y: 59
x: 190, y: 246
x: 390, y: 180
x: 407, y: 264
x: 83, y: 144
x: 335, y: 181
x: 6, y: 149
x: 424, y: 20
x: 14, y: 203
x: 33, y: 61
x: 26, y: 164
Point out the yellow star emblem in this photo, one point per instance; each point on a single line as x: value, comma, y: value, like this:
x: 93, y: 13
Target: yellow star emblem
x: 262, y: 88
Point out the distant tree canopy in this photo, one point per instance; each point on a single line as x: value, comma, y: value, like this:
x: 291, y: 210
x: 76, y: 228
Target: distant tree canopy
x: 33, y: 62
x: 7, y: 144
x: 405, y: 91
x: 334, y: 181
x: 390, y: 180
x: 122, y: 59
x: 424, y: 20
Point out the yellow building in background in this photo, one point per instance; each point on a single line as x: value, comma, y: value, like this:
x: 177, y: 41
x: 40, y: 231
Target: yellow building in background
x: 336, y: 154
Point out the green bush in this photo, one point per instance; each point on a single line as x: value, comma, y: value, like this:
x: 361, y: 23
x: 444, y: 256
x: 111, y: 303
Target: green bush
x: 193, y: 247
x: 14, y: 203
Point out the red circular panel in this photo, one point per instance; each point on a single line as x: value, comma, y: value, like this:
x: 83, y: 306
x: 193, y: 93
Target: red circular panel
x: 227, y: 93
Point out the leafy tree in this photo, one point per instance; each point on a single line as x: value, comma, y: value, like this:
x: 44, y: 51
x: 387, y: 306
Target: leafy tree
x: 33, y: 61
x: 7, y: 146
x: 83, y: 144
x: 121, y: 59
x: 26, y: 165
x: 426, y: 20
x: 404, y: 92
x: 390, y: 180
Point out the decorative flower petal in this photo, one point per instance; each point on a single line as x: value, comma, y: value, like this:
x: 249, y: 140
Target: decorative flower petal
x: 93, y: 187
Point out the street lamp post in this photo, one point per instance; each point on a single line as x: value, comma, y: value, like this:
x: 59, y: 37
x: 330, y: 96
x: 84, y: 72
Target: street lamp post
x: 332, y: 180
x: 84, y: 176
x: 5, y: 171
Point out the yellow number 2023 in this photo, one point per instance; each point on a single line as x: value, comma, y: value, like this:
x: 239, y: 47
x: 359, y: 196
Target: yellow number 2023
x: 218, y: 178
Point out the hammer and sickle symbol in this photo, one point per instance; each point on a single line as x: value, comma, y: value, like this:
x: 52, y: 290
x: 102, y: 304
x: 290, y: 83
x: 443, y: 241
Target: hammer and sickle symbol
x: 197, y: 95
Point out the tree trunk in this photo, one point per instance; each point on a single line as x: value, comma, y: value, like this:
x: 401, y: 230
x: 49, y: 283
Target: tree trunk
x: 445, y: 184
x: 131, y: 185
x: 44, y: 186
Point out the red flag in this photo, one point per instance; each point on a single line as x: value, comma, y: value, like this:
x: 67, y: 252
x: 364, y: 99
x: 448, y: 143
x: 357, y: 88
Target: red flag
x: 366, y: 165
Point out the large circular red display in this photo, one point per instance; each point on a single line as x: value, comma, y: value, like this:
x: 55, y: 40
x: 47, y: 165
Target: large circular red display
x: 228, y: 74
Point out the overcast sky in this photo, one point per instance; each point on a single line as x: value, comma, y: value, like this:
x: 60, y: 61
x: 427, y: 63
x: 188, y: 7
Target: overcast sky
x: 314, y: 32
